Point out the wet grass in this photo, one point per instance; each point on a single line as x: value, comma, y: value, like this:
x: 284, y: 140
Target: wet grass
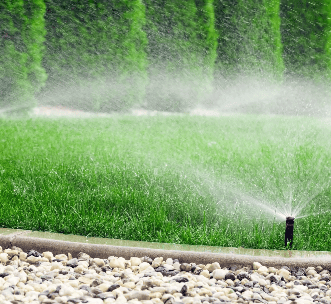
x: 184, y: 180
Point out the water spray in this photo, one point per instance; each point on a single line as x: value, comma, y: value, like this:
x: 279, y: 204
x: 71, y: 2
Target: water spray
x: 289, y: 230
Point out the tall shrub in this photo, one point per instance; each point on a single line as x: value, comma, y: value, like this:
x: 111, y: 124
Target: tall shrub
x: 306, y: 34
x: 207, y: 37
x: 228, y: 42
x: 272, y: 39
x: 173, y: 54
x: 96, y: 51
x: 250, y: 40
x: 133, y: 61
x: 72, y: 53
x: 34, y: 37
x: 21, y: 46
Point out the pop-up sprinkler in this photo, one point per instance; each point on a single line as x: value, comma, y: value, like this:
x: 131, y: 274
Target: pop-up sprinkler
x: 289, y: 230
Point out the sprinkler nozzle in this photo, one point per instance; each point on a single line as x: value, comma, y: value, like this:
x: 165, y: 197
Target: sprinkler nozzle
x: 289, y: 230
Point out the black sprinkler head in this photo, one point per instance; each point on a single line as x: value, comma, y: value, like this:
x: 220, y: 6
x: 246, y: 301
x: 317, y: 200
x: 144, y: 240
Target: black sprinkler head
x: 289, y: 230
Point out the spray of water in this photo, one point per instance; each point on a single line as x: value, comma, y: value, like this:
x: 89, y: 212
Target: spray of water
x: 232, y: 197
x: 168, y: 92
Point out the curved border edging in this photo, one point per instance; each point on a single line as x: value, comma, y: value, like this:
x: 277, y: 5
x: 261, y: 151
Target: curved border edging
x: 104, y: 251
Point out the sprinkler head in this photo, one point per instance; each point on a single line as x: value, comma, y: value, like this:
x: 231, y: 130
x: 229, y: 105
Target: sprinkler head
x: 289, y: 230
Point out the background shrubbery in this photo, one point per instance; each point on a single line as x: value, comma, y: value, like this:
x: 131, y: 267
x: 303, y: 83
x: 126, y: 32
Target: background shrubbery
x: 111, y: 55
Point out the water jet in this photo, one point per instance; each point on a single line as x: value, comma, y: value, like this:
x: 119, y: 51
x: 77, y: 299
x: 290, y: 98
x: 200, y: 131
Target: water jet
x: 289, y: 231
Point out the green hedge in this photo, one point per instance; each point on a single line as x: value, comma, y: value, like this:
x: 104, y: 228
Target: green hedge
x: 114, y: 54
x: 207, y: 37
x: 21, y: 48
x: 249, y: 38
x: 175, y: 54
x: 96, y: 53
x: 306, y: 37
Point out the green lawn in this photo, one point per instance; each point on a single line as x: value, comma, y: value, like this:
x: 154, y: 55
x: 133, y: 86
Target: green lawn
x: 184, y: 180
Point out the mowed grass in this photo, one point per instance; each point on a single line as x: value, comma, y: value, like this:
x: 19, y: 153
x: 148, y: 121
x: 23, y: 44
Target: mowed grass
x: 177, y: 179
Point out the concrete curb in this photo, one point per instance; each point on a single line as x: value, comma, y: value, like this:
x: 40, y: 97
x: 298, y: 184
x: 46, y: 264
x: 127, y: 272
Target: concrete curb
x: 26, y: 243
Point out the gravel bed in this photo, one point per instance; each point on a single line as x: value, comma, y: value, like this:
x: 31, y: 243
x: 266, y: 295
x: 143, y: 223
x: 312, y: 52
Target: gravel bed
x: 35, y: 277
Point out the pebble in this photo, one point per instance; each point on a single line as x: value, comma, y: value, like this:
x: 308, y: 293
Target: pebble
x: 35, y: 277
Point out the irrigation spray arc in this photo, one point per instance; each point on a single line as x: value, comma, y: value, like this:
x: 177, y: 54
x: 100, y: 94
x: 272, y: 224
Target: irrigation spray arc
x: 230, y: 196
